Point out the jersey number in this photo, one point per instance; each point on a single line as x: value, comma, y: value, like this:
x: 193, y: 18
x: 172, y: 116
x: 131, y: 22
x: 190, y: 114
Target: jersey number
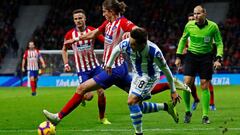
x: 141, y: 84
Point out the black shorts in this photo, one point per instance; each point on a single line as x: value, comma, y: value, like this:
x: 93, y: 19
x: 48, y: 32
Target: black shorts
x: 201, y: 65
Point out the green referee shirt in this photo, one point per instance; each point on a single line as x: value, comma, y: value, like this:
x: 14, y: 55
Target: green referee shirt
x: 201, y: 38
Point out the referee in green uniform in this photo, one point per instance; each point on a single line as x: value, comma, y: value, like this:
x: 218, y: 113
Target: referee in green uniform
x: 199, y: 58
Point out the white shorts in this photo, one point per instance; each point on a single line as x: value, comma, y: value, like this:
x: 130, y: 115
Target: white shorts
x: 141, y: 86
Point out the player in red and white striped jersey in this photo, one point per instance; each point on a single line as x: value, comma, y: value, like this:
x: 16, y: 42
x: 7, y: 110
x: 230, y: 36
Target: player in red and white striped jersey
x: 32, y: 56
x: 86, y: 61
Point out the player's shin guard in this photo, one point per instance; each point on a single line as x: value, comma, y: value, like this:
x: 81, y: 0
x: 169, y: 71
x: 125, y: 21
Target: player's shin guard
x: 101, y: 106
x: 148, y: 107
x: 160, y: 87
x: 211, y: 94
x: 71, y: 105
x: 136, y: 117
x: 205, y: 101
x: 33, y: 86
x: 186, y: 99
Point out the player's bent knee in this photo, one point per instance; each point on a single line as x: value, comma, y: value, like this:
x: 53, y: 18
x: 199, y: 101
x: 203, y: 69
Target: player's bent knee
x: 100, y: 92
x: 88, y: 96
x: 81, y: 90
x: 204, y: 84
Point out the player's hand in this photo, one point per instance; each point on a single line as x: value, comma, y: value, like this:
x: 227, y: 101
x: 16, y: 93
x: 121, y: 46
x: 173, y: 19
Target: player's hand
x: 23, y: 69
x: 125, y: 35
x: 43, y: 65
x: 175, y: 97
x: 217, y: 65
x: 178, y: 62
x: 108, y: 70
x: 67, y: 68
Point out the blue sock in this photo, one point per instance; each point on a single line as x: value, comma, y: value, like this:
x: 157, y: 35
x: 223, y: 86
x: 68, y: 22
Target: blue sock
x: 148, y: 107
x: 136, y: 116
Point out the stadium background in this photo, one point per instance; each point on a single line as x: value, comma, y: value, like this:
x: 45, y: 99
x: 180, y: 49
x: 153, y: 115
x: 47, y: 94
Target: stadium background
x: 46, y: 21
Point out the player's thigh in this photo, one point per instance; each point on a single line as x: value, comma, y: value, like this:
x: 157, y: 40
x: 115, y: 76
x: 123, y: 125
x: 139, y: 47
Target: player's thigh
x: 206, y: 68
x: 106, y: 81
x: 82, y: 77
x: 190, y: 66
x: 33, y: 74
x: 124, y: 83
x: 87, y: 86
x: 141, y: 87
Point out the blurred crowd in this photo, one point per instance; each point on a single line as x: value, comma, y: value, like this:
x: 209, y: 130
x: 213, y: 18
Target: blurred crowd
x: 8, y: 41
x: 164, y: 21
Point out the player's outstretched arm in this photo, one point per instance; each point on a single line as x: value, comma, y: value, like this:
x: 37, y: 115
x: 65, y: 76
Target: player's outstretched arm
x: 90, y: 35
x: 67, y: 68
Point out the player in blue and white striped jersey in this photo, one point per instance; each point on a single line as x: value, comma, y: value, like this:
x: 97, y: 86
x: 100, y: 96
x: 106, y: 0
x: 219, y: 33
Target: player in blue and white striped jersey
x: 147, y: 61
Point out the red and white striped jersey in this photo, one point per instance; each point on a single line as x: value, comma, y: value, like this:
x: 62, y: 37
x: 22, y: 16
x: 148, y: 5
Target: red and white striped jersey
x: 85, y: 58
x: 113, y: 35
x: 32, y: 57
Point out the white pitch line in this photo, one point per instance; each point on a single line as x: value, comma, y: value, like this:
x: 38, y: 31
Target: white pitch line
x: 120, y: 130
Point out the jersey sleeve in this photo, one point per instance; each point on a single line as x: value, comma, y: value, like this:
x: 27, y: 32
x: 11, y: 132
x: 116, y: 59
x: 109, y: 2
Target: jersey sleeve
x: 127, y: 25
x: 25, y: 55
x: 218, y: 41
x: 68, y: 36
x: 102, y: 27
x: 162, y: 64
x: 183, y: 40
x: 99, y: 37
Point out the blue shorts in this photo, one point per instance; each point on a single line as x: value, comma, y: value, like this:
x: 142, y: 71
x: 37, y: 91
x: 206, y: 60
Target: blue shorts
x: 84, y: 76
x: 119, y: 77
x: 33, y: 73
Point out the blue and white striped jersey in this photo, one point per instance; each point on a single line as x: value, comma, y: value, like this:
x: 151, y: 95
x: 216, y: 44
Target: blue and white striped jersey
x: 147, y: 62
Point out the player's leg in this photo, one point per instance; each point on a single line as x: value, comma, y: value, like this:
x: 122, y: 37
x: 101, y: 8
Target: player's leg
x: 190, y: 66
x: 195, y: 97
x: 205, y: 100
x: 102, y: 106
x: 187, y: 99
x: 82, y: 77
x: 159, y: 87
x: 140, y: 90
x: 101, y: 98
x: 212, y: 104
x: 87, y: 86
x: 33, y: 81
x: 205, y: 74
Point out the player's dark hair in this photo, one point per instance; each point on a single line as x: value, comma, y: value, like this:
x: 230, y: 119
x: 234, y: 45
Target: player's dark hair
x: 79, y: 11
x: 140, y: 35
x: 190, y: 14
x: 115, y: 5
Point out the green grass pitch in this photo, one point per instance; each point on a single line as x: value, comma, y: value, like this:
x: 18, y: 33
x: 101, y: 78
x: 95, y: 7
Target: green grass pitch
x: 20, y: 114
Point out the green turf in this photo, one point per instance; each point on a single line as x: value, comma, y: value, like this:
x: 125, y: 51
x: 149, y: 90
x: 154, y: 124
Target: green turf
x: 20, y: 113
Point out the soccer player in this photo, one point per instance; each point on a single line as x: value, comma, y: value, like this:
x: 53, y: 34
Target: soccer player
x: 86, y: 61
x: 199, y: 58
x: 194, y: 89
x: 114, y: 28
x: 32, y: 56
x: 147, y: 60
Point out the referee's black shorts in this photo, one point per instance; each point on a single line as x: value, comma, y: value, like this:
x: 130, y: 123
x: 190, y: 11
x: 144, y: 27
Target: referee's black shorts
x: 201, y: 65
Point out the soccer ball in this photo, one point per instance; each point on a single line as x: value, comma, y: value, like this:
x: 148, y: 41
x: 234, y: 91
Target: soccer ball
x: 46, y: 128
